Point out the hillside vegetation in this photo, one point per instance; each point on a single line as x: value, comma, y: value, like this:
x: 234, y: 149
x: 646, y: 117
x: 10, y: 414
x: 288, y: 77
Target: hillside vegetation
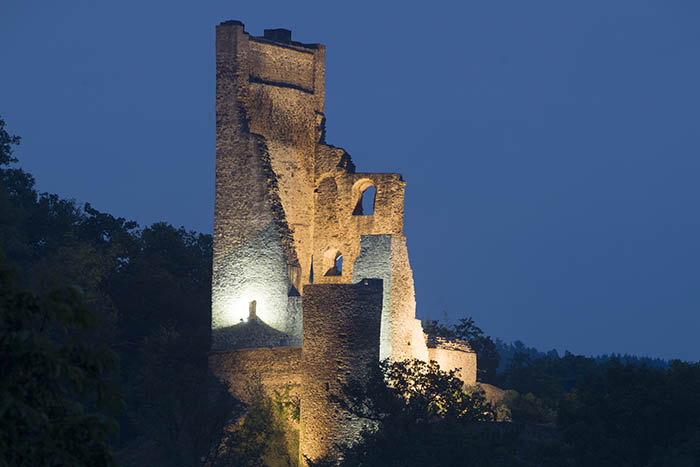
x: 104, y: 335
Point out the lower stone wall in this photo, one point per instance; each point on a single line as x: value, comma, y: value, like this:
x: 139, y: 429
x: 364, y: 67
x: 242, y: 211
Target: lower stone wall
x: 274, y: 367
x: 451, y: 359
x: 341, y: 339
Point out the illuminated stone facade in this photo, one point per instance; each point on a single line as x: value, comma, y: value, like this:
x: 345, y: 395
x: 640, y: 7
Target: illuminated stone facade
x: 288, y: 211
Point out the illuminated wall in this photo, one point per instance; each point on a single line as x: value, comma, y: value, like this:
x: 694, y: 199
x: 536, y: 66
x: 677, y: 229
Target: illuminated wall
x: 286, y: 202
x: 268, y: 99
x: 287, y: 207
x: 341, y: 340
x: 454, y: 354
x: 255, y: 271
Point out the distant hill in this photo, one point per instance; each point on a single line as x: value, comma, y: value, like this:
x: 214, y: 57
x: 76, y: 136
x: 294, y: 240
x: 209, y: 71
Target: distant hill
x: 507, y: 350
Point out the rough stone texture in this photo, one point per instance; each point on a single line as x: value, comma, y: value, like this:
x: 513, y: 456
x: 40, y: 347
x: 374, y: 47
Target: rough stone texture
x: 386, y: 257
x: 374, y: 261
x: 268, y: 98
x: 287, y: 207
x: 341, y: 340
x: 284, y: 199
x: 274, y: 367
x: 453, y: 354
x: 336, y: 228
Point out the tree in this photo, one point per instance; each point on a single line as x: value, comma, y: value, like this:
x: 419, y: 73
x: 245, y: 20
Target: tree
x: 16, y: 193
x: 414, y: 412
x: 412, y: 390
x: 418, y: 415
x: 529, y: 408
x: 267, y: 435
x: 56, y: 390
x: 166, y: 280
x: 175, y: 403
x: 486, y: 352
x: 436, y: 328
x: 149, y: 288
x: 631, y: 415
x: 6, y: 143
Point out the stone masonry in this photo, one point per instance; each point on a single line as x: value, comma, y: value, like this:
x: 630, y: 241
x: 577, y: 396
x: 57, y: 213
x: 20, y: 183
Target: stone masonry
x: 307, y: 288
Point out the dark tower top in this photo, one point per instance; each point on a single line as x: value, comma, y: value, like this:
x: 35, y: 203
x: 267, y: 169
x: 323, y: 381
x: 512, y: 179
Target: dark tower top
x: 278, y: 35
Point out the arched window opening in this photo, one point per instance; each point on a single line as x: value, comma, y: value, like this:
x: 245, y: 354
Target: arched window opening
x: 366, y: 194
x: 339, y: 264
x: 334, y: 263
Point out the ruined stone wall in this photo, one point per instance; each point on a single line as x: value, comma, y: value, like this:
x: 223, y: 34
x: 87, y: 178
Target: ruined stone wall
x: 464, y: 362
x: 454, y: 354
x: 341, y: 340
x: 269, y: 104
x: 289, y: 65
x: 386, y: 257
x: 374, y: 261
x: 337, y: 226
x: 274, y: 367
x: 285, y: 105
x: 288, y: 204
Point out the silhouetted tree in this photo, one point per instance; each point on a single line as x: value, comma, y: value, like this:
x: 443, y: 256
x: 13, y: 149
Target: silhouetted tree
x: 134, y: 281
x: 179, y: 408
x: 418, y: 415
x: 6, y: 143
x: 630, y: 415
x: 56, y: 390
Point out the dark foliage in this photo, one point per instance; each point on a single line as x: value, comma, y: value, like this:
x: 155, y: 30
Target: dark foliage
x: 149, y: 288
x: 57, y: 392
x: 177, y: 410
x: 418, y: 415
x: 412, y: 391
x: 508, y: 351
x: 546, y: 378
x: 6, y: 143
x: 610, y: 412
x: 630, y: 415
x: 268, y: 434
x: 92, y: 290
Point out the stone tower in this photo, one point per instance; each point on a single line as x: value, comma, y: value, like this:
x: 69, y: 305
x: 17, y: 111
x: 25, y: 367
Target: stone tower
x: 307, y: 287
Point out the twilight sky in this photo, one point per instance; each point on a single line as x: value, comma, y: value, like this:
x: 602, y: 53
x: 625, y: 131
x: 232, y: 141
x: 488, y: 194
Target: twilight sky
x: 551, y: 148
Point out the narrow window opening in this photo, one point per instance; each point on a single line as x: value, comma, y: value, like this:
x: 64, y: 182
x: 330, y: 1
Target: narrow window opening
x: 365, y: 205
x: 336, y: 266
x: 311, y: 271
x: 368, y: 201
x: 252, y: 311
x: 339, y: 264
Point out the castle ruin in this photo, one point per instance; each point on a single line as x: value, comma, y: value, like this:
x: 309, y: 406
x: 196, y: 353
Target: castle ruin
x: 308, y: 288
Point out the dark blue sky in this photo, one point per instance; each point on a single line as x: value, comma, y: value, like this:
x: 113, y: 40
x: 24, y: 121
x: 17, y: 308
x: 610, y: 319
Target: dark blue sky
x: 551, y: 148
